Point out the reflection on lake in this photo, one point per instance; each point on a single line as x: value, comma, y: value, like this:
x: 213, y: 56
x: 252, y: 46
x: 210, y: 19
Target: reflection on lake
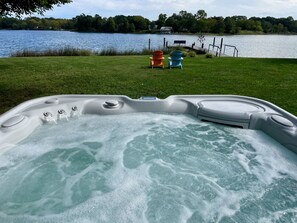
x: 270, y: 46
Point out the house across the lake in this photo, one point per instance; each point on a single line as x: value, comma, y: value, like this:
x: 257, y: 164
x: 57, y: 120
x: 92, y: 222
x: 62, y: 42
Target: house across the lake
x: 166, y: 30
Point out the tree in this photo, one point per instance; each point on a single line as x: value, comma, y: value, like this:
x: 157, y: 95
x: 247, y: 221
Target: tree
x: 216, y: 25
x: 279, y: 28
x: 97, y: 23
x: 187, y: 22
x: 267, y: 26
x: 8, y: 7
x: 161, y: 20
x: 131, y: 28
x: 33, y: 23
x: 173, y: 21
x: 122, y: 23
x: 230, y: 26
x: 202, y: 25
x: 201, y: 39
x: 110, y: 25
x: 240, y: 22
x: 201, y: 14
x: 83, y: 23
x: 8, y: 23
x: 140, y: 23
x: 124, y: 27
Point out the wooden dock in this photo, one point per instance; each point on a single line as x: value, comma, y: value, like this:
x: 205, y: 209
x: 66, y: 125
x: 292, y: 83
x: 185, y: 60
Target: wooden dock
x: 200, y: 50
x: 218, y: 51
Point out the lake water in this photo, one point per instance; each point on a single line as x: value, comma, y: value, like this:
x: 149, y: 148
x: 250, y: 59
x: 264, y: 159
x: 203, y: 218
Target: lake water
x: 265, y: 46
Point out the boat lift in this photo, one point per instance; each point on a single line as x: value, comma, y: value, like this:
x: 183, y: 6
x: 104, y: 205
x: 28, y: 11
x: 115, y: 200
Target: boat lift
x: 217, y: 50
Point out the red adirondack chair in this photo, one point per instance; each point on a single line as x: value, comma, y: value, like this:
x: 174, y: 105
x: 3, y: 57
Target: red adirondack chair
x: 157, y: 60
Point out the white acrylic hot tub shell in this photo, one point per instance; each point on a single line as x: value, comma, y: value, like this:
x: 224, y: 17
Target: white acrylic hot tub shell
x: 245, y: 112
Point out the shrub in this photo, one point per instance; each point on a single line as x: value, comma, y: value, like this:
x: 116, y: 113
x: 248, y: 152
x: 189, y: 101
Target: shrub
x: 192, y: 54
x: 201, y: 51
x: 178, y: 48
x: 150, y: 52
x: 146, y: 51
x: 128, y: 52
x: 108, y: 52
x: 114, y: 52
x: 208, y: 55
x: 184, y: 54
x: 25, y: 53
x: 166, y: 50
x: 67, y: 51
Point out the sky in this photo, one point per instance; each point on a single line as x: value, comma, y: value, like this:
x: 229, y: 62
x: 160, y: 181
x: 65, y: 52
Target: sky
x: 152, y: 8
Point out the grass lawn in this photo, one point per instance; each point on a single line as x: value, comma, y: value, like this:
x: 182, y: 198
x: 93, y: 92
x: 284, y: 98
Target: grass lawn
x: 21, y: 79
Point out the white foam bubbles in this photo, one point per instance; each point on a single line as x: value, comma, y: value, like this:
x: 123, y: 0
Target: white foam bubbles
x: 269, y: 160
x: 226, y: 204
x: 145, y: 167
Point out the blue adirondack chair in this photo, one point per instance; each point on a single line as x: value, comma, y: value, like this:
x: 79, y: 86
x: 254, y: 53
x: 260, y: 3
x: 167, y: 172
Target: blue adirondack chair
x: 176, y: 59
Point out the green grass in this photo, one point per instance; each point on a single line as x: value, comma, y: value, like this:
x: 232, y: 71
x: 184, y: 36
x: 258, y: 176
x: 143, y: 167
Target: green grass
x: 274, y: 80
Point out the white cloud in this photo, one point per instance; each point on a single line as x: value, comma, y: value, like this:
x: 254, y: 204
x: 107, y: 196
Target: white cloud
x: 152, y: 8
x: 113, y: 5
x: 180, y: 5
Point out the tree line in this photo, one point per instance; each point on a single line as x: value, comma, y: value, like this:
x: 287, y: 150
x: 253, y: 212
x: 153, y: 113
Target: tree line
x: 182, y: 22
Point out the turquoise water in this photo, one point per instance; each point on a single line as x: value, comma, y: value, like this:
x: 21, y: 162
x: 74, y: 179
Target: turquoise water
x: 147, y: 167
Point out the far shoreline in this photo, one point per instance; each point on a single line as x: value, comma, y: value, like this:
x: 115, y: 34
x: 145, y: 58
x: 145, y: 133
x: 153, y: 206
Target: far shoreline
x: 156, y: 33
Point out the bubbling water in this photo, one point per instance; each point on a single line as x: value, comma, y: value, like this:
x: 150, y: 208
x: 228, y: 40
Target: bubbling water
x: 147, y: 167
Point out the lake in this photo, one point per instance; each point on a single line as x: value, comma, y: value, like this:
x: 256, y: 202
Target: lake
x: 261, y: 46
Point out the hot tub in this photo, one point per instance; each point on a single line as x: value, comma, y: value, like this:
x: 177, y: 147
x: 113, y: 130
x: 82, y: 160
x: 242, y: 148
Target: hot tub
x: 237, y: 111
x: 194, y: 158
